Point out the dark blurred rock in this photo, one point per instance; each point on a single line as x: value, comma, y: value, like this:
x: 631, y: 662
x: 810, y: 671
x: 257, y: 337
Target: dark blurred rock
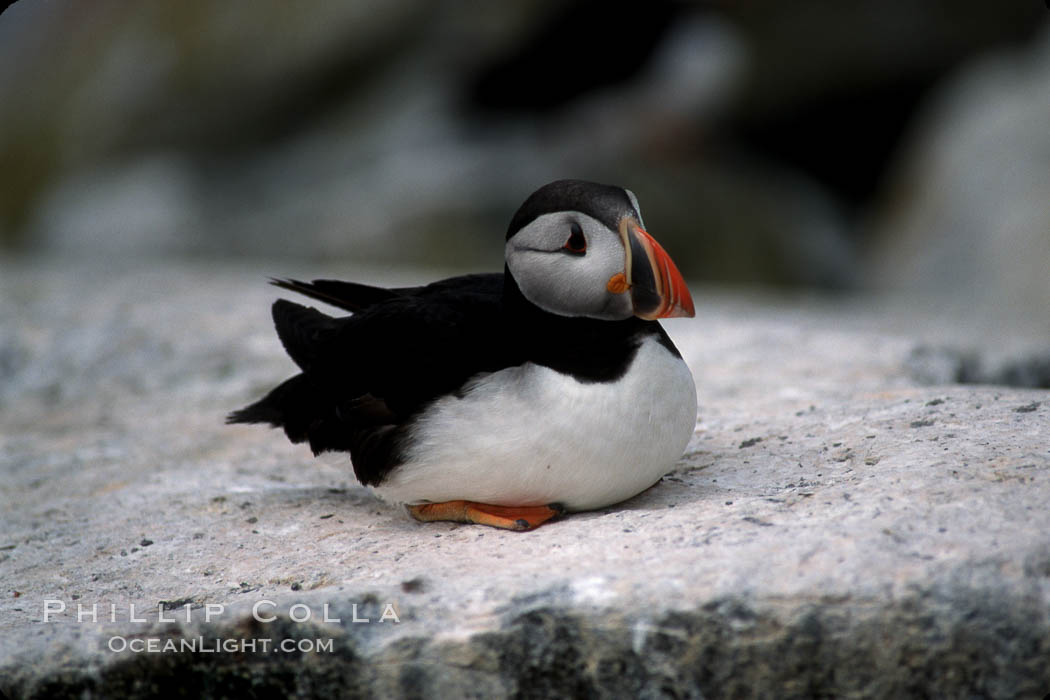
x: 408, y: 131
x: 831, y: 86
x: 564, y: 58
x: 314, y: 132
x: 966, y: 220
x: 943, y: 365
x: 123, y: 83
x: 947, y: 365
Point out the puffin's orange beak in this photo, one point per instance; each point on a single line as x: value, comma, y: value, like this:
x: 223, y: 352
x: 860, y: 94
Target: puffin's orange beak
x: 656, y: 286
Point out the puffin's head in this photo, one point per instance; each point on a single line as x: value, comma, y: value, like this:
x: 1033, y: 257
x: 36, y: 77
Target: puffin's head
x: 578, y: 248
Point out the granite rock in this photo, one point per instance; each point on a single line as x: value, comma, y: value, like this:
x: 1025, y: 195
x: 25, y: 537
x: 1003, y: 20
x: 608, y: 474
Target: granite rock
x: 835, y: 528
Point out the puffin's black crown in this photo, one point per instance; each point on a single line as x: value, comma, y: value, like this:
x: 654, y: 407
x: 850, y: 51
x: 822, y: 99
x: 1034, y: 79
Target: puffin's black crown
x: 606, y: 203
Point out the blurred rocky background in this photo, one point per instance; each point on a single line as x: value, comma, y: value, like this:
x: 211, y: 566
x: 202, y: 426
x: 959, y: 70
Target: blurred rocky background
x: 869, y: 144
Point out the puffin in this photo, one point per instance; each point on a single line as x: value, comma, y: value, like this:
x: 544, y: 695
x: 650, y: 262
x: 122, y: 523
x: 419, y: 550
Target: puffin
x: 502, y: 399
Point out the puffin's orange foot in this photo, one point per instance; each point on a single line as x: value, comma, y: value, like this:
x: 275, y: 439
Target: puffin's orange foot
x: 507, y: 517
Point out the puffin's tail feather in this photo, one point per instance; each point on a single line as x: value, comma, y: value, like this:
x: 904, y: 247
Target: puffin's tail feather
x: 362, y: 424
x: 302, y: 331
x: 289, y: 406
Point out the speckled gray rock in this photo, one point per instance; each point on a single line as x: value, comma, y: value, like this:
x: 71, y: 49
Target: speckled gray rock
x: 835, y: 528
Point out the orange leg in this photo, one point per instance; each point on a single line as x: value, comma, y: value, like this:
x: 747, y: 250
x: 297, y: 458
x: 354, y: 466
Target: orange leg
x: 507, y: 517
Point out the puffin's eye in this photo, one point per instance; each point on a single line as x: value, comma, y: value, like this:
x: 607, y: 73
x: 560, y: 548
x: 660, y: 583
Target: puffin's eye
x: 577, y: 243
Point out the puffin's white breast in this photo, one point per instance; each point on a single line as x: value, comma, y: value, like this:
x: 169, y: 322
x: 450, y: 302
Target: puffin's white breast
x: 528, y: 435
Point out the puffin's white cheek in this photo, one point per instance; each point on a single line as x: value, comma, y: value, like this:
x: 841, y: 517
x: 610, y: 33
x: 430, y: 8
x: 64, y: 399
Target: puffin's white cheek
x: 548, y: 283
x: 569, y: 286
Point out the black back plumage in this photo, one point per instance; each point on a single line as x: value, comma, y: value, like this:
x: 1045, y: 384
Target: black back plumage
x: 364, y: 376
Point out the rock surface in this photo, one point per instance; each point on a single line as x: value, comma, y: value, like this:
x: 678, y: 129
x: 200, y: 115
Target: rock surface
x: 835, y: 528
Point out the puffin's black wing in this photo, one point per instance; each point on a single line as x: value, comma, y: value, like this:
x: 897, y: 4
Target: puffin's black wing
x: 350, y: 296
x: 365, y: 376
x: 354, y: 296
